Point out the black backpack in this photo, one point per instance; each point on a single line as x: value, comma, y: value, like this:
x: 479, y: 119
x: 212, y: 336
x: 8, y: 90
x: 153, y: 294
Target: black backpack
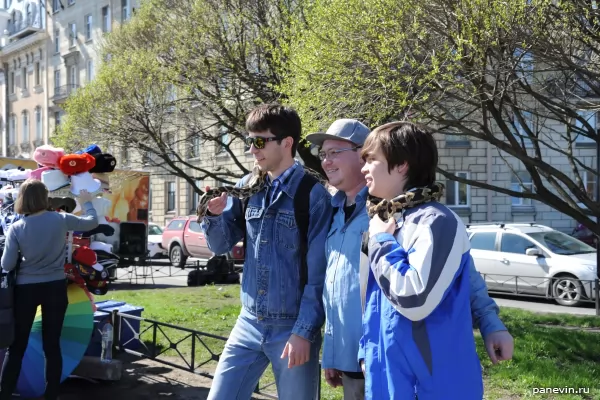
x: 302, y: 216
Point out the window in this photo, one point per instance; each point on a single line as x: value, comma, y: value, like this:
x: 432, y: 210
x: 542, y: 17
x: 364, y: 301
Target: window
x: 29, y: 20
x: 484, y: 241
x: 223, y: 139
x: 72, y: 34
x: 154, y: 230
x: 71, y: 2
x: 57, y: 41
x: 90, y: 70
x: 56, y: 81
x: 512, y: 243
x: 458, y: 194
x: 12, y: 130
x: 57, y: 118
x: 72, y: 76
x: 55, y: 5
x: 175, y: 225
x: 589, y: 183
x: 105, y: 19
x: 195, y: 227
x: 38, y: 123
x: 88, y: 27
x: 590, y: 117
x: 38, y: 74
x: 24, y: 82
x: 124, y: 10
x: 12, y: 82
x: 516, y: 186
x: 170, y: 196
x: 195, y: 150
x: 520, y: 129
x: 524, y: 67
x: 561, y: 243
x: 25, y: 119
x: 194, y: 197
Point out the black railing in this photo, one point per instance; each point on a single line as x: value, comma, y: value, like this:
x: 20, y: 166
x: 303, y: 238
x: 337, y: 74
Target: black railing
x: 544, y: 287
x: 62, y: 92
x: 189, y: 350
x: 24, y: 24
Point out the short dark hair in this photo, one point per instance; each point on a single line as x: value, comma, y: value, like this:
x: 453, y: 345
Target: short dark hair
x: 280, y: 120
x: 402, y: 142
x: 32, y: 198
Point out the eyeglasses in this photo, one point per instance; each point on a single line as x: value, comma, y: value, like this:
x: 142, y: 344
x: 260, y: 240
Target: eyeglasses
x: 259, y: 142
x: 333, y: 153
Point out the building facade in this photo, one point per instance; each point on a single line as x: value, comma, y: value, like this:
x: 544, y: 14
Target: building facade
x: 49, y: 48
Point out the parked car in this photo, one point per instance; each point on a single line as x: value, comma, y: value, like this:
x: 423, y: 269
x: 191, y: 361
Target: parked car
x: 534, y: 259
x: 155, y: 249
x: 183, y: 238
x: 584, y: 234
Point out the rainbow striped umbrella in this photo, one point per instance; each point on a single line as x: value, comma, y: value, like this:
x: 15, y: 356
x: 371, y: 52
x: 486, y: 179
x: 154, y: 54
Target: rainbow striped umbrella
x: 74, y: 340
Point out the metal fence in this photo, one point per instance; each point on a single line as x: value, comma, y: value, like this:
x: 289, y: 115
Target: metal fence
x: 565, y: 290
x: 178, y: 347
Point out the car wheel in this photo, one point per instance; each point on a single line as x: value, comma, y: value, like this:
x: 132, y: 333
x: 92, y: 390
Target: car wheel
x: 176, y: 256
x: 567, y: 290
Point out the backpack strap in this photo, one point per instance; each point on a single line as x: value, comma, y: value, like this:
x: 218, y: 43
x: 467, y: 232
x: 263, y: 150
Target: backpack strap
x: 302, y: 216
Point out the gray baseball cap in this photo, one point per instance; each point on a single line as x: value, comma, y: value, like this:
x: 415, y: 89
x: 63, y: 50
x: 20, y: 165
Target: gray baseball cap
x: 349, y: 130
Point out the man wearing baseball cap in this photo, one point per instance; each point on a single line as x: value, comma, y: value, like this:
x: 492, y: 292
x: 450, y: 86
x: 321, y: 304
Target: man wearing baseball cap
x: 339, y: 152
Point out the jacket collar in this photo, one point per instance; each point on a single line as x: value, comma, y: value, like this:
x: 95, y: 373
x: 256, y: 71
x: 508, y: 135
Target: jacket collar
x: 339, y: 199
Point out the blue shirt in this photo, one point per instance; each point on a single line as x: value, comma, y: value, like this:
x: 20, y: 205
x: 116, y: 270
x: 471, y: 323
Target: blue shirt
x: 275, y: 187
x: 271, y: 289
x: 341, y: 294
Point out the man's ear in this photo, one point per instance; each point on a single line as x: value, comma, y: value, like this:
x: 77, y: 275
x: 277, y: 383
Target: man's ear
x: 289, y: 142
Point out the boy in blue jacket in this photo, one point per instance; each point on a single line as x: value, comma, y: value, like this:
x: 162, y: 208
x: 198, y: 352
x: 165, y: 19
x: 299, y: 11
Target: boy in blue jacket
x: 417, y: 327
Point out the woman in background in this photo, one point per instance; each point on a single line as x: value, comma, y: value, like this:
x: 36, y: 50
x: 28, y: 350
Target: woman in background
x: 36, y: 245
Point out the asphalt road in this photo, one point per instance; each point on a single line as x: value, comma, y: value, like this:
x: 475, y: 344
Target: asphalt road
x: 173, y: 277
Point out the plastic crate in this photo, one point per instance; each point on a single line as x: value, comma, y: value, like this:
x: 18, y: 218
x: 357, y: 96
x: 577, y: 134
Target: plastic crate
x: 103, y: 315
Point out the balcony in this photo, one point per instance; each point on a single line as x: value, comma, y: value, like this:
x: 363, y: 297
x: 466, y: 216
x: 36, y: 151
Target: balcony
x: 25, y: 27
x: 61, y: 93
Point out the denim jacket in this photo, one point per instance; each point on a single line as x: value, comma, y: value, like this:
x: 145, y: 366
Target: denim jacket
x: 271, y: 280
x: 341, y: 295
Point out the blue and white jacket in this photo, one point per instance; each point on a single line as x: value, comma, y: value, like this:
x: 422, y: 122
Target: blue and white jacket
x: 417, y: 309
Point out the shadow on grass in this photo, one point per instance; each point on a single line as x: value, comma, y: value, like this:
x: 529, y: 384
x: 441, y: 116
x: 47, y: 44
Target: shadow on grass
x: 545, y: 358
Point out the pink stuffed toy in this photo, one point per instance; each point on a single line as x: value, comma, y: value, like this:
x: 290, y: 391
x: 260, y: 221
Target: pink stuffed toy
x: 37, y: 173
x: 48, y: 156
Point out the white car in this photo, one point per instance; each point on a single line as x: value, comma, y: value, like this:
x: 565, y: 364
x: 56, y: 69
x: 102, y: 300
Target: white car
x: 155, y: 249
x: 534, y: 259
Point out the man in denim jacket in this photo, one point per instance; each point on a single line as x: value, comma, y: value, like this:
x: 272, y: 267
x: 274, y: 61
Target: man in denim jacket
x: 280, y: 321
x: 340, y: 158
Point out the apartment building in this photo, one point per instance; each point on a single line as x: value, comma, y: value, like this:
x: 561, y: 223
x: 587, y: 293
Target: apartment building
x: 49, y: 48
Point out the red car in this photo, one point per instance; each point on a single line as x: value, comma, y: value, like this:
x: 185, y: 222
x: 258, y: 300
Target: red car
x: 585, y: 235
x: 183, y: 238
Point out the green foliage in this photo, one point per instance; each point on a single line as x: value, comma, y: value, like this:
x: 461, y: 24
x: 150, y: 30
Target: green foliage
x: 463, y: 67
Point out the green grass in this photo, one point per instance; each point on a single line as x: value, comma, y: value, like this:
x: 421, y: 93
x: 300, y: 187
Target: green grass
x: 545, y: 357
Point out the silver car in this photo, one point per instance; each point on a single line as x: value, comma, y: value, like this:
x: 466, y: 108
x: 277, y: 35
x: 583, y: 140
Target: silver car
x: 534, y: 259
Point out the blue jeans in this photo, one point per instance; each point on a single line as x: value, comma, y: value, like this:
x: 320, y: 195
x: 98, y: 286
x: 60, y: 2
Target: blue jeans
x: 249, y: 349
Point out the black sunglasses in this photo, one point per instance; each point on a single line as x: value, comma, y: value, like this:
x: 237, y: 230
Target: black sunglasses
x: 260, y: 142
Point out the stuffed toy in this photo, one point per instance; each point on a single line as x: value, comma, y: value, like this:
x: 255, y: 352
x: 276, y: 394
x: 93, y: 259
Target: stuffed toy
x: 104, y: 163
x: 73, y: 164
x: 48, y: 156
